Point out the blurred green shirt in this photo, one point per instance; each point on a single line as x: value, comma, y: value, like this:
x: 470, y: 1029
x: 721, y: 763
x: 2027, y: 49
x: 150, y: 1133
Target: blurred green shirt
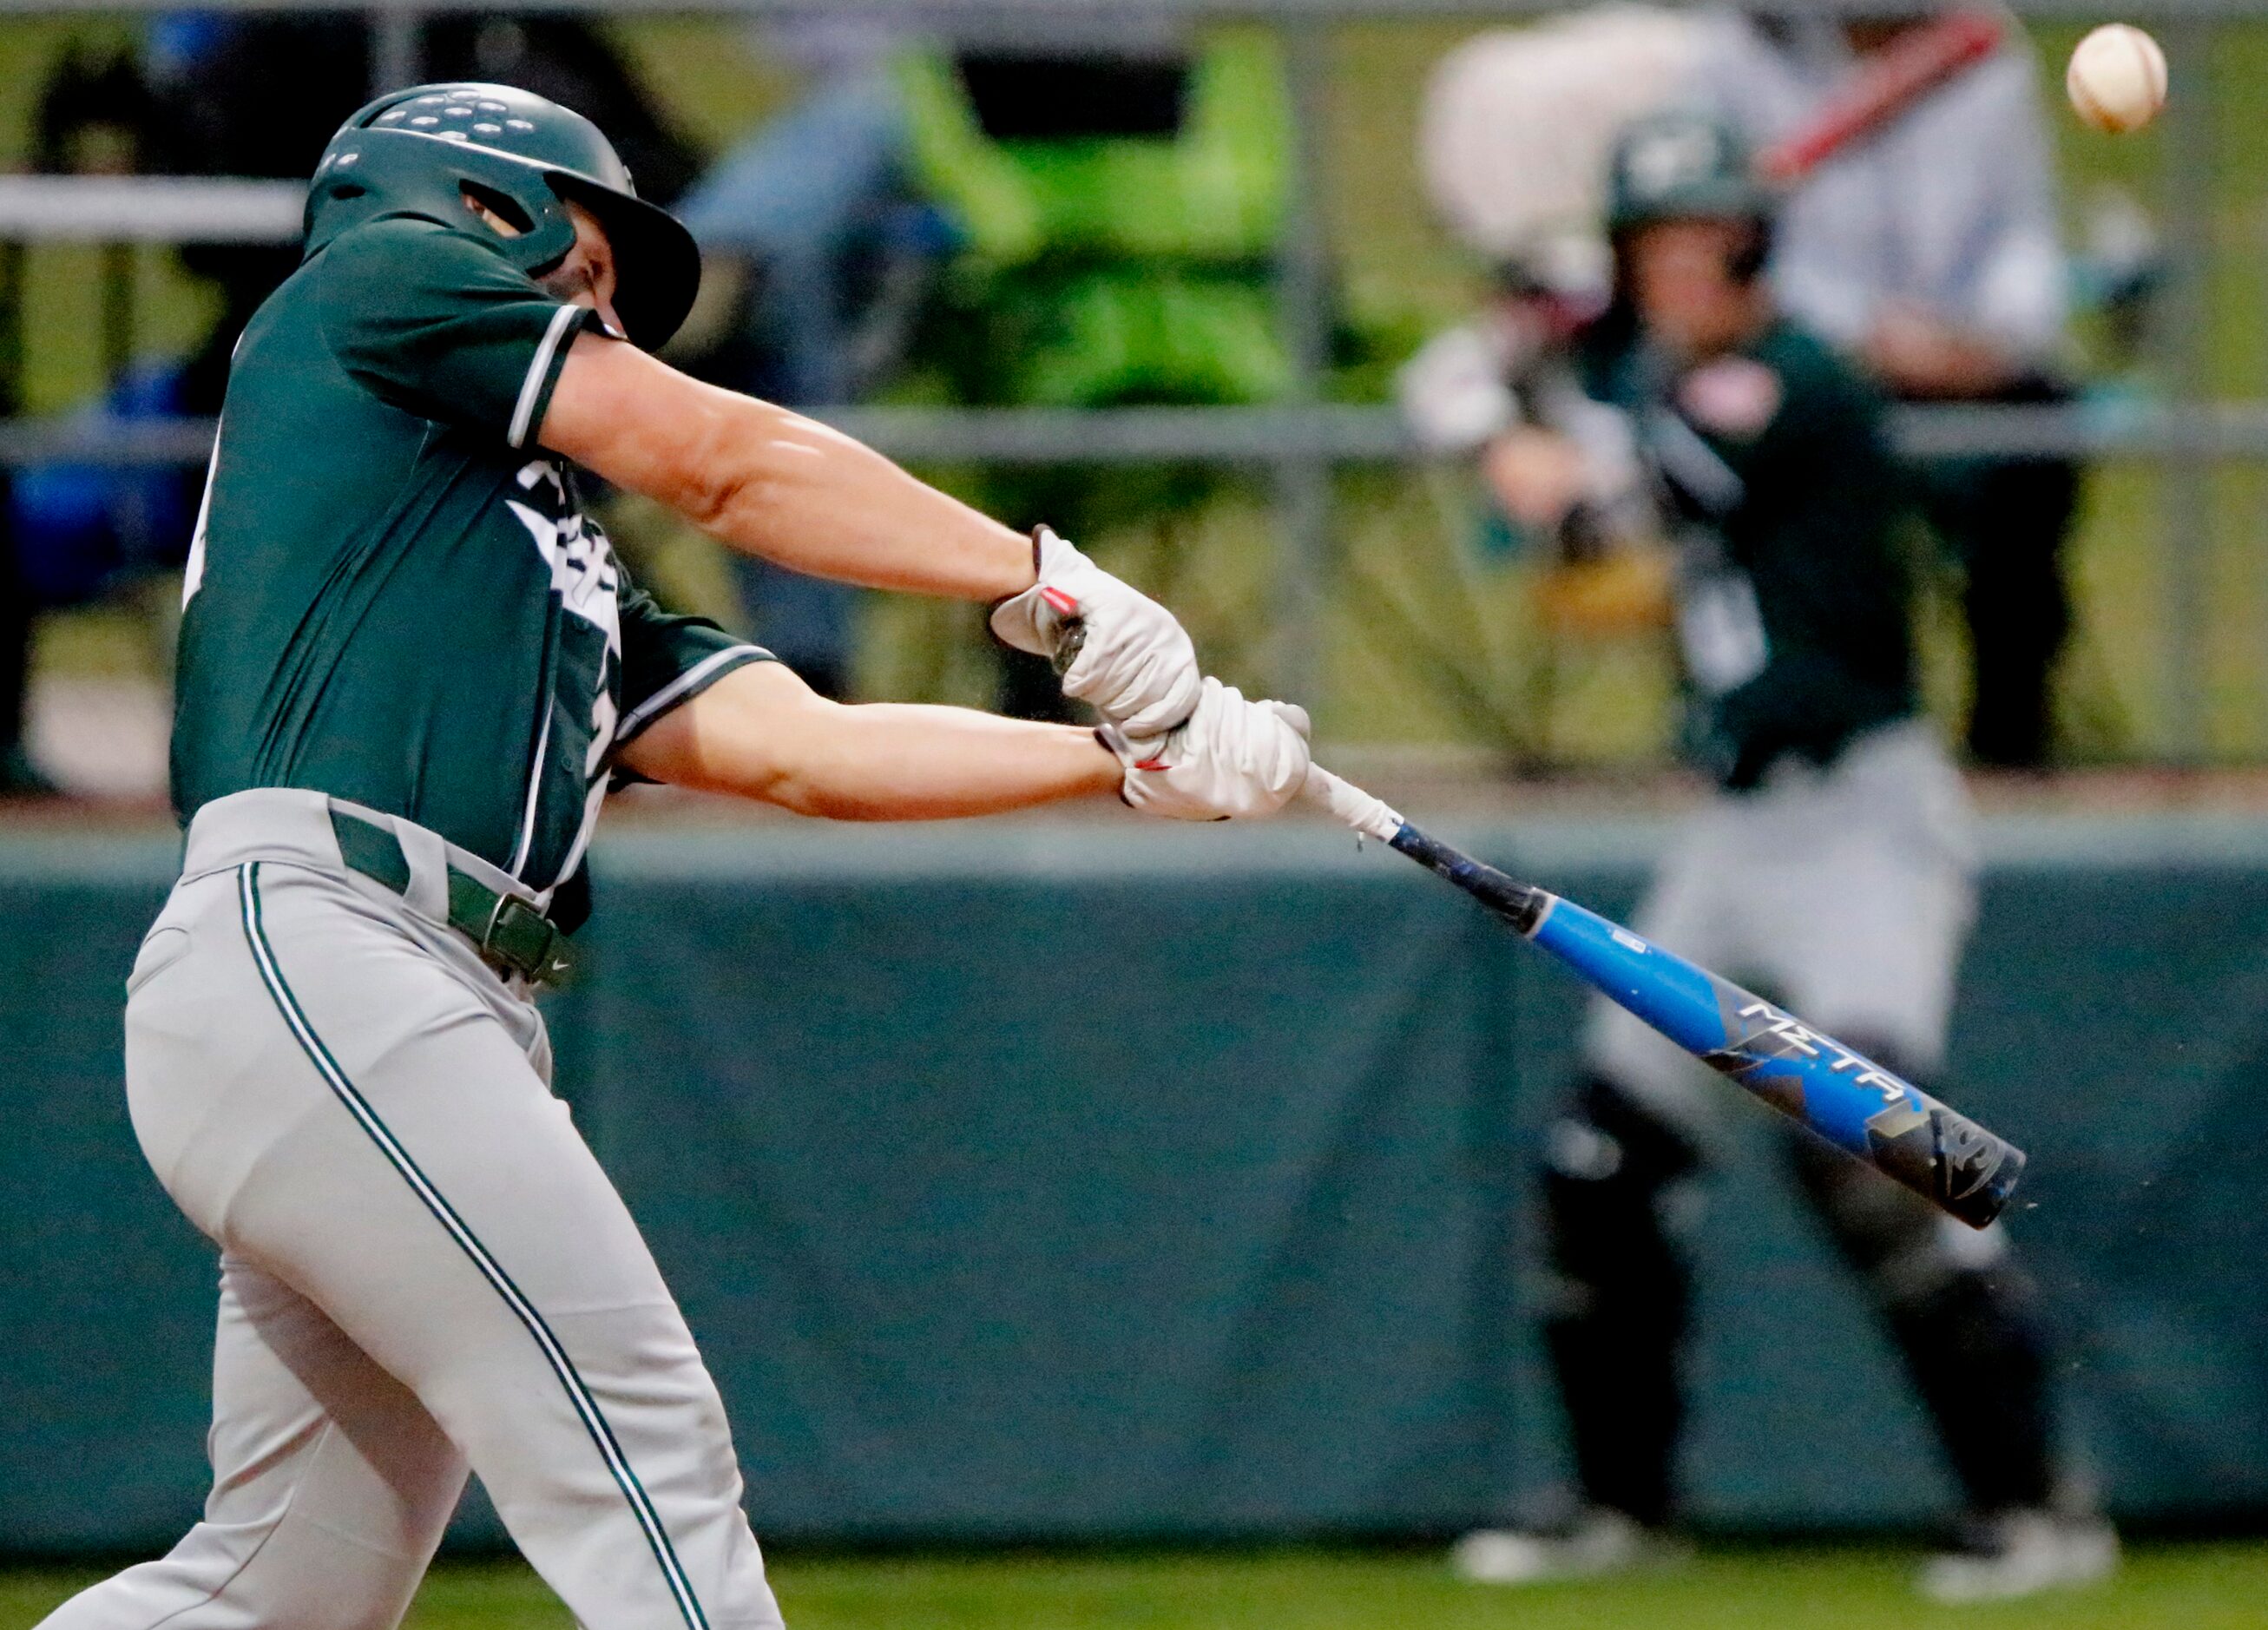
x: 1789, y: 511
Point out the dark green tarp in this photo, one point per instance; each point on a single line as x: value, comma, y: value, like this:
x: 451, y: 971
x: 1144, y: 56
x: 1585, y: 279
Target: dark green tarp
x: 1076, y: 1181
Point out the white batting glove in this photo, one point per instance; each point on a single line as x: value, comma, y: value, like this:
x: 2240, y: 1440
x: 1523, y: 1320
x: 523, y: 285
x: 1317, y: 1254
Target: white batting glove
x: 1233, y: 759
x: 1135, y: 667
x: 1453, y: 392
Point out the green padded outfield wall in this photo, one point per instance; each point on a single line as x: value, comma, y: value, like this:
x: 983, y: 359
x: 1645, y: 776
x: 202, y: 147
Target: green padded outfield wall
x: 1064, y: 1182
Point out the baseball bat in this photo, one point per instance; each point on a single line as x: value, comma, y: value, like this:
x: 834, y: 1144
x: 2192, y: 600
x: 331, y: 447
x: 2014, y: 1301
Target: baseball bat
x: 1897, y: 77
x: 1854, y: 1103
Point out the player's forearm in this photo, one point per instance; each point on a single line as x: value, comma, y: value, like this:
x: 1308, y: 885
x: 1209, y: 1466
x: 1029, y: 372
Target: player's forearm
x: 759, y: 733
x: 772, y: 482
x: 904, y: 761
x: 1919, y: 356
x: 796, y: 492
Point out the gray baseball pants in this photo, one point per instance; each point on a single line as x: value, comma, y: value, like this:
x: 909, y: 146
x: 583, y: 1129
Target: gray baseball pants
x: 1845, y: 894
x: 423, y: 1270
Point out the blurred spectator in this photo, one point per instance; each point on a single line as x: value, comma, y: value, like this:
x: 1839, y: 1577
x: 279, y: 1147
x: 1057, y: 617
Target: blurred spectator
x: 802, y: 211
x: 1930, y: 252
x: 1105, y: 193
x: 241, y: 95
x: 66, y: 532
x: 1120, y: 200
x: 794, y: 202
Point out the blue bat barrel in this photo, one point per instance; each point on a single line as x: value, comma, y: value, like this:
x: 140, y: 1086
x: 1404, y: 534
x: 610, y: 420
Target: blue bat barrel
x: 1844, y: 1097
x: 1847, y: 1098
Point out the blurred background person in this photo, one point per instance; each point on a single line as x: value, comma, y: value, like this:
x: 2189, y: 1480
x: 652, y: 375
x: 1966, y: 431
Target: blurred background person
x: 1834, y: 866
x: 816, y: 246
x: 1515, y: 128
x: 1118, y: 195
x: 787, y: 214
x: 70, y: 533
x: 233, y: 95
x: 1928, y: 250
x: 76, y: 533
x: 1079, y: 213
x: 1931, y: 253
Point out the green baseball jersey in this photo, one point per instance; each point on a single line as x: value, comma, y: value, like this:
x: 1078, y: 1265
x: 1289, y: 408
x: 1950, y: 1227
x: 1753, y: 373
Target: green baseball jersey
x: 1787, y: 507
x: 395, y: 595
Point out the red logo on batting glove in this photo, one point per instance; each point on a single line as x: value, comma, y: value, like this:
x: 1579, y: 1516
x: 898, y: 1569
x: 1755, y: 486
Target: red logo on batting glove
x: 1064, y: 604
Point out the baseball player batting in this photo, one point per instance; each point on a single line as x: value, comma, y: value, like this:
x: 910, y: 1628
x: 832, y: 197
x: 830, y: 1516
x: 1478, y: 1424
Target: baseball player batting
x: 410, y: 667
x: 1833, y: 865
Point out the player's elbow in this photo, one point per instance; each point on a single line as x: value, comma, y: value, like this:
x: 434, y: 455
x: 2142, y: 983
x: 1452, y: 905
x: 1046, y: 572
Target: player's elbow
x: 815, y: 788
x: 713, y: 478
x: 742, y: 471
x: 813, y: 765
x: 833, y: 804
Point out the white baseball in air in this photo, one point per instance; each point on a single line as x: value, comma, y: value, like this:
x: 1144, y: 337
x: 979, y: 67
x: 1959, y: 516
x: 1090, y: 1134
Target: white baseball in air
x: 2117, y: 79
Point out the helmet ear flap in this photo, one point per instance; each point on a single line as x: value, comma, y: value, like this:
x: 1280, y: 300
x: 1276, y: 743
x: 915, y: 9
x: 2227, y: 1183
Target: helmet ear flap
x: 511, y: 220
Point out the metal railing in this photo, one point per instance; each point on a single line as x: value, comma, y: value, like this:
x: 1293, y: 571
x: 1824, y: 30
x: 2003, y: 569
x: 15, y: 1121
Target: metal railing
x: 1330, y: 434
x: 1301, y: 439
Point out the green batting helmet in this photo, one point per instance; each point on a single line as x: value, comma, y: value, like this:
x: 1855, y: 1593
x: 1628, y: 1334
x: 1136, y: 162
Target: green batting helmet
x: 416, y: 153
x: 1682, y: 166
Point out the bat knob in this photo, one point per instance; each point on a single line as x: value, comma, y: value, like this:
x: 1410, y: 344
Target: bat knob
x: 1979, y: 1188
x: 1941, y: 1152
x: 1071, y: 639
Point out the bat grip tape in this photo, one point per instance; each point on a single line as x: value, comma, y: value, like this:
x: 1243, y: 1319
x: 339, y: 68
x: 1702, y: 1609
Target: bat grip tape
x: 1346, y: 803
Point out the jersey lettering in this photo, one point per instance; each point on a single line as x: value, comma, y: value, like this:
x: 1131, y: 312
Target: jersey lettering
x: 588, y: 586
x: 583, y: 571
x: 431, y: 627
x: 1720, y: 630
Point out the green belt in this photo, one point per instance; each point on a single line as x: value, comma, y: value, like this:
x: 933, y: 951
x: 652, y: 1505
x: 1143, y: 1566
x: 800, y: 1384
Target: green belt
x: 511, y: 936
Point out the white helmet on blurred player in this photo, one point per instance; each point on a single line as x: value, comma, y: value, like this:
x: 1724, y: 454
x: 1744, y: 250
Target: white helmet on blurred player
x: 1516, y: 126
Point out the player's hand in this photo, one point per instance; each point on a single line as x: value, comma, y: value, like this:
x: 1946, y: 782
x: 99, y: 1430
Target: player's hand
x: 1922, y: 355
x: 1453, y: 393
x: 1136, y: 665
x: 1538, y: 476
x: 1233, y: 759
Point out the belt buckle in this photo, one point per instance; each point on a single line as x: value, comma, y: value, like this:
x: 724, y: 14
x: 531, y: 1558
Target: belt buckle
x: 524, y: 941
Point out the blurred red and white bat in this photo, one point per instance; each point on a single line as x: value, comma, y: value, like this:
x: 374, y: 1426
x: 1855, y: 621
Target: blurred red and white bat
x: 1513, y: 143
x: 1896, y: 77
x: 1517, y: 123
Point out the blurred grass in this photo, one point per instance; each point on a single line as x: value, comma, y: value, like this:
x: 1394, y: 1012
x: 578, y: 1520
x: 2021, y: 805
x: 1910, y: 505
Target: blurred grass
x: 2197, y: 1587
x: 1584, y: 705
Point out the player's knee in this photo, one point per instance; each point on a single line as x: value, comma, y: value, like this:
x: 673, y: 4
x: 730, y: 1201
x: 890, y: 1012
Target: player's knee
x: 1978, y: 1320
x: 316, y: 1576
x: 1620, y: 1193
x: 342, y: 1608
x: 684, y: 1417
